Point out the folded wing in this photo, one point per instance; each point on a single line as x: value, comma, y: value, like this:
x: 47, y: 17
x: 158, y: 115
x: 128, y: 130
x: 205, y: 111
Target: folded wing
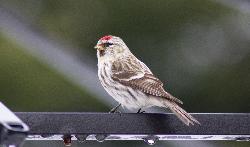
x: 143, y: 81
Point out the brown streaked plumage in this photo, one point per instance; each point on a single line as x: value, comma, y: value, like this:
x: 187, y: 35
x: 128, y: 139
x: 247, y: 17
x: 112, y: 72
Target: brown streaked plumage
x: 130, y: 82
x: 148, y: 83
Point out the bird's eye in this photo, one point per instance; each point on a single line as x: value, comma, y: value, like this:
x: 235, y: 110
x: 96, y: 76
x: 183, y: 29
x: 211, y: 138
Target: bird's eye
x: 107, y: 44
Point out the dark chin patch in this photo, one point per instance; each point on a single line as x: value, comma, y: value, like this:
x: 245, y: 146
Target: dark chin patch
x: 101, y: 53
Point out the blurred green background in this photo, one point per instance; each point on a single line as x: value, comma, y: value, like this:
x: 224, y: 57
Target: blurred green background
x: 199, y: 49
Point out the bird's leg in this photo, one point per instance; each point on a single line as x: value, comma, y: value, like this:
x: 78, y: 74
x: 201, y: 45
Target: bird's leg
x: 113, y: 110
x: 139, y: 111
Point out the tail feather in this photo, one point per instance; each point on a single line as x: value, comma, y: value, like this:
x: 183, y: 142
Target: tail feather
x: 181, y: 113
x: 172, y: 98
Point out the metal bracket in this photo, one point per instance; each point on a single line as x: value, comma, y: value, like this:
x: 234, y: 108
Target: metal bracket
x: 12, y: 130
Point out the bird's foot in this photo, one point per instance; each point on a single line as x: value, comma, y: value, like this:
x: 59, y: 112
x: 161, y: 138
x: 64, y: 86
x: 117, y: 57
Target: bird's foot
x: 139, y: 111
x: 114, y: 110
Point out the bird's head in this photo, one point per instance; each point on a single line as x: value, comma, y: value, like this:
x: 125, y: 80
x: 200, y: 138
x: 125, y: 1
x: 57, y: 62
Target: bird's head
x: 111, y: 46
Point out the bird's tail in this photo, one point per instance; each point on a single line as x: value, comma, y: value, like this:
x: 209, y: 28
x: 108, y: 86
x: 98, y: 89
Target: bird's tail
x: 181, y: 113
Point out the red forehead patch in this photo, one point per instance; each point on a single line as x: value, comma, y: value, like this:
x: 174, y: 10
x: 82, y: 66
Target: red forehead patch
x: 106, y: 37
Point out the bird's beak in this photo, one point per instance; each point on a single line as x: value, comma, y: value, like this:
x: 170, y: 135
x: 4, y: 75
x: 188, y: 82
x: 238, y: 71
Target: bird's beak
x: 99, y: 47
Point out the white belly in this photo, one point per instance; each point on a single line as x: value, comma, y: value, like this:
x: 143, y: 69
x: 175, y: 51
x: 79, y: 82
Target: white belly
x: 132, y: 100
x: 126, y: 96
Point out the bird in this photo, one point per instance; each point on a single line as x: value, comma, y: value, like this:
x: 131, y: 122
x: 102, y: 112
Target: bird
x: 130, y: 82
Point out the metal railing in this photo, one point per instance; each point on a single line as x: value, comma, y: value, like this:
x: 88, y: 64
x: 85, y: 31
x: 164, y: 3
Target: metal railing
x: 133, y: 126
x: 149, y: 127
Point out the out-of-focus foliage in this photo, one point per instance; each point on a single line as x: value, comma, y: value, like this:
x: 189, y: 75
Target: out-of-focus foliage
x: 27, y: 85
x: 200, y: 49
x: 143, y: 21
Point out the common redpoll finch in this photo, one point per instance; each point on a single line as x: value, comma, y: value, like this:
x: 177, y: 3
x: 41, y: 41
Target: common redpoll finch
x: 130, y: 82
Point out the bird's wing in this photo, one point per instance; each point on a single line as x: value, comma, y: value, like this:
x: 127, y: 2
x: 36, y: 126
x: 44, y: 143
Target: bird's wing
x: 145, y: 82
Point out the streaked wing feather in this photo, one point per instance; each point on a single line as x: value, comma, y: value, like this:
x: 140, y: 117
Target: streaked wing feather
x: 146, y: 83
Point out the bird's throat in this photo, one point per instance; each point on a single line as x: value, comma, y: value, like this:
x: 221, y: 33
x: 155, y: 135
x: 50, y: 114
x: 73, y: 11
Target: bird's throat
x: 101, y: 53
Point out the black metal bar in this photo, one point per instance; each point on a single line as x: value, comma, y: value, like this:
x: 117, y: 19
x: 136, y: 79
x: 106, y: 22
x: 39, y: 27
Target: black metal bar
x: 229, y: 126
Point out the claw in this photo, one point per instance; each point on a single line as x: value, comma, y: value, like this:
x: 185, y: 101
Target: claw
x: 139, y: 111
x: 113, y: 110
